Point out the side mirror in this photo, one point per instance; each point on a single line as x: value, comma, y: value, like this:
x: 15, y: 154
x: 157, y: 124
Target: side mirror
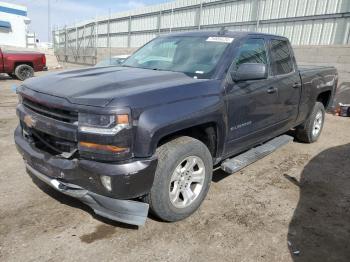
x: 250, y: 71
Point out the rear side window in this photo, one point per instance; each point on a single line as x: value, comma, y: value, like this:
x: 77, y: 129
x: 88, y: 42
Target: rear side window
x: 252, y: 51
x: 281, y: 59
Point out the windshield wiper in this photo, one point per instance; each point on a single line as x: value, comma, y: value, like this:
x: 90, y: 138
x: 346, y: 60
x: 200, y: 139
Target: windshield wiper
x: 122, y: 65
x: 149, y: 68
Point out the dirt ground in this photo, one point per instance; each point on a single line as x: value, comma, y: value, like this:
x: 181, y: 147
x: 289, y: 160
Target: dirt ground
x: 293, y: 205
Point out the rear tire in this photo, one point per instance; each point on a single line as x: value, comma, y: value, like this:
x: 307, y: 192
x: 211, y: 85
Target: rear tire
x: 182, y: 179
x: 24, y: 72
x: 311, y: 129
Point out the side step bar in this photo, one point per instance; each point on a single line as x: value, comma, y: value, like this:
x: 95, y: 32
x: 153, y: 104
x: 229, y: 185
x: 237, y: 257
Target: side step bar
x: 236, y: 163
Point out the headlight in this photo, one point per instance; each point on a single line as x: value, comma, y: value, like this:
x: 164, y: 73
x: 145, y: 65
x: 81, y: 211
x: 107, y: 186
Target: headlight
x: 102, y: 124
x: 104, y: 137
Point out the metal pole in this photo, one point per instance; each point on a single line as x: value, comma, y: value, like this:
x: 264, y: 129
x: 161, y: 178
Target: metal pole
x: 129, y: 32
x: 48, y: 20
x: 347, y: 35
x: 171, y: 17
x: 108, y: 33
x: 65, y: 43
x: 76, y: 43
x: 159, y: 21
x: 200, y: 15
x: 96, y: 39
x: 84, y: 46
x: 258, y: 15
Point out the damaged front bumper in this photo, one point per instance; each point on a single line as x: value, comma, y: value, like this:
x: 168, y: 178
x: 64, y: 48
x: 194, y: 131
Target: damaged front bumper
x: 126, y: 211
x: 81, y: 179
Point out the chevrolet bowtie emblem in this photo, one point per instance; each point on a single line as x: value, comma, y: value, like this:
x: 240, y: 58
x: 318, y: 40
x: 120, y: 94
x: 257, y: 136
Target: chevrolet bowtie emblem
x: 30, y: 121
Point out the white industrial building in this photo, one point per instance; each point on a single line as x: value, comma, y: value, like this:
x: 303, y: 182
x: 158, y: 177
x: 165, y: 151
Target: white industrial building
x: 13, y: 25
x: 304, y: 22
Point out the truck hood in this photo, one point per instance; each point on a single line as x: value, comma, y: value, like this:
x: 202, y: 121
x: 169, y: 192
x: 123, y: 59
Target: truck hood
x: 97, y: 86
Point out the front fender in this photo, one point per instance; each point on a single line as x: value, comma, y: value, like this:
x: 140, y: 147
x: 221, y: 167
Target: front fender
x: 156, y: 123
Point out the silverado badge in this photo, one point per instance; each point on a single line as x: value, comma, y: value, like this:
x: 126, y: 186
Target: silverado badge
x: 29, y: 120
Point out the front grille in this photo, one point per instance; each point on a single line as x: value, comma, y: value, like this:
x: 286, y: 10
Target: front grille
x: 52, y: 112
x: 48, y: 143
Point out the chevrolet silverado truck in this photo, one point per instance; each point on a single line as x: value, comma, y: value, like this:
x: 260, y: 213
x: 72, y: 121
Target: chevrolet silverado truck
x: 146, y: 135
x: 21, y: 65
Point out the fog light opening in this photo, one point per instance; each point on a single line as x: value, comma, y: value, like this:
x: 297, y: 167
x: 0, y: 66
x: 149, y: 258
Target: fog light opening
x: 106, y: 182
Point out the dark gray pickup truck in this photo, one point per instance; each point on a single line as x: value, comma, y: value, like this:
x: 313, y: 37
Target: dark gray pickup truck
x: 147, y: 134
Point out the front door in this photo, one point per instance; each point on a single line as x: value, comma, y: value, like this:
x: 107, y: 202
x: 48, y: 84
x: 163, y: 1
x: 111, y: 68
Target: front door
x: 251, y: 104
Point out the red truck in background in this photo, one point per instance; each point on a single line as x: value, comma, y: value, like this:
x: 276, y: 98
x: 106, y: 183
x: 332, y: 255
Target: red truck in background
x: 21, y: 64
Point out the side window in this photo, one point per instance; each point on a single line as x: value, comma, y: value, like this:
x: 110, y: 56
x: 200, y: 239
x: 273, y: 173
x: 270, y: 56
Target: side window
x: 281, y: 59
x: 252, y: 51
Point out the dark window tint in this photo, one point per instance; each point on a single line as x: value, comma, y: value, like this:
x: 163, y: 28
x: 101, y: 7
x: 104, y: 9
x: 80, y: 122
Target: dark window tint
x: 252, y: 51
x: 281, y: 59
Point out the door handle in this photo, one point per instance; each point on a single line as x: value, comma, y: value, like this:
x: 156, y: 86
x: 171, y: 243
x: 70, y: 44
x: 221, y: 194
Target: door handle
x: 296, y: 85
x: 271, y: 90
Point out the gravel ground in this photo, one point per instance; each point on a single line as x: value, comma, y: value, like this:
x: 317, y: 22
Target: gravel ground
x: 293, y: 205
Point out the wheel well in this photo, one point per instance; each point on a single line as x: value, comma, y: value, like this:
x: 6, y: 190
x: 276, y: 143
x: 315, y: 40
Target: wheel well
x: 206, y: 133
x: 324, y: 98
x: 24, y: 63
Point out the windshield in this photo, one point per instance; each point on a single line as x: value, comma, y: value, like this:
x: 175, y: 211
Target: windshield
x: 194, y: 56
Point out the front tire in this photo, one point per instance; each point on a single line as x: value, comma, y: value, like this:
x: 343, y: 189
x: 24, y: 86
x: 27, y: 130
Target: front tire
x: 311, y: 130
x: 23, y: 72
x: 182, y: 179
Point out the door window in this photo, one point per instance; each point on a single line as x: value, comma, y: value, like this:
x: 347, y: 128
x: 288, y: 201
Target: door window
x: 252, y: 51
x: 281, y: 58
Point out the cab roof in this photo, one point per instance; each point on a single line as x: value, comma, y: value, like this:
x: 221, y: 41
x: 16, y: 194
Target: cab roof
x: 227, y: 33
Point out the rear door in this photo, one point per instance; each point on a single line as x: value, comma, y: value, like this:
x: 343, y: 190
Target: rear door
x: 287, y: 81
x: 251, y: 104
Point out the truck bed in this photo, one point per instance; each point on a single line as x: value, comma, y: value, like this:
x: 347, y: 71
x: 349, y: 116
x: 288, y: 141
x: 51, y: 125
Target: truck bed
x: 315, y: 80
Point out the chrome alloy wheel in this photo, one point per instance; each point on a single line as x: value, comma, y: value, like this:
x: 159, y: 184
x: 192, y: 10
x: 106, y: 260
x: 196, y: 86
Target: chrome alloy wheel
x: 25, y: 73
x: 317, y: 126
x: 187, y: 181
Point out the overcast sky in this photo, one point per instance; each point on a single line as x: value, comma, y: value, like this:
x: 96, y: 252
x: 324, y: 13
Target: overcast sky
x: 70, y: 11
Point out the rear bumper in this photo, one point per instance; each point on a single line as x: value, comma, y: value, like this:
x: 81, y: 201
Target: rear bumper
x: 82, y: 179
